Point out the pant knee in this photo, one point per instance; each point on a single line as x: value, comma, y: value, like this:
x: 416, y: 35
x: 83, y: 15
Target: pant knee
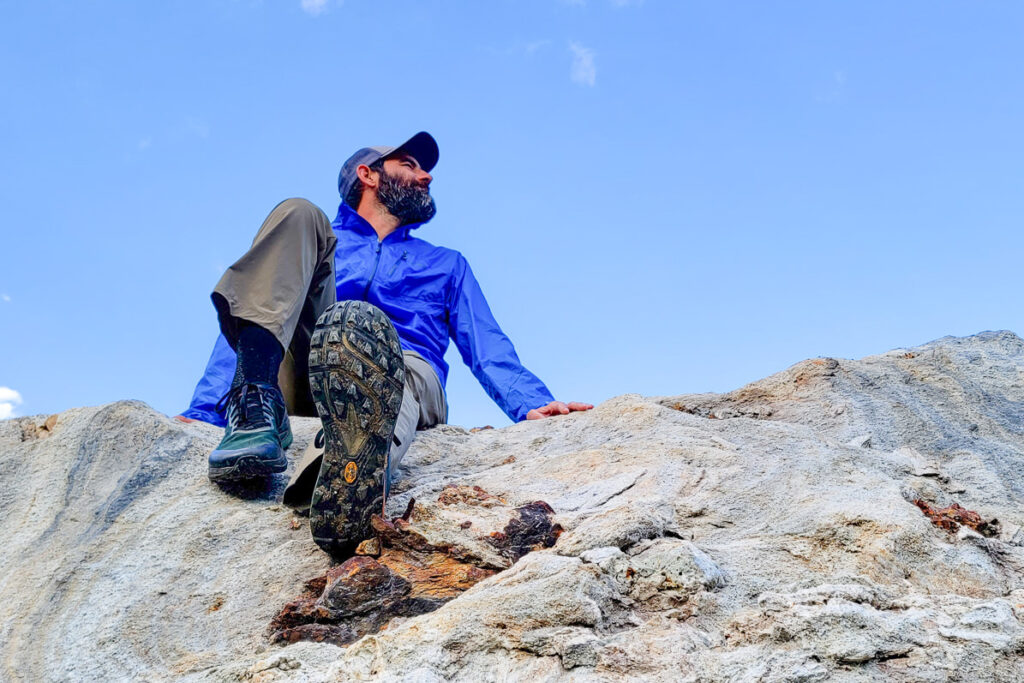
x: 297, y: 214
x: 297, y: 204
x: 301, y: 207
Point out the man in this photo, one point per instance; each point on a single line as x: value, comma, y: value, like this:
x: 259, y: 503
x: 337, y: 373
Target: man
x: 353, y: 317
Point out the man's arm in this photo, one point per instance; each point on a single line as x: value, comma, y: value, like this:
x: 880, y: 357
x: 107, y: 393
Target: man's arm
x: 492, y: 358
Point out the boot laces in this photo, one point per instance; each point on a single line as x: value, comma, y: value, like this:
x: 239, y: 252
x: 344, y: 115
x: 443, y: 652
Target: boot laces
x: 249, y: 407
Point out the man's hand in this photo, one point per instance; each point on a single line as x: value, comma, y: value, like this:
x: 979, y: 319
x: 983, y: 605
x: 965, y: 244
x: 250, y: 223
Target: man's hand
x: 182, y: 418
x: 556, y: 408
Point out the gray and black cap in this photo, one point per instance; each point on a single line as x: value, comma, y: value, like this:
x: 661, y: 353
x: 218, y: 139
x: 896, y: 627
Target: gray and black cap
x: 421, y: 146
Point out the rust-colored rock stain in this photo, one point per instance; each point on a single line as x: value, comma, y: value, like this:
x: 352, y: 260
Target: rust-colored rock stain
x: 400, y: 573
x: 951, y: 518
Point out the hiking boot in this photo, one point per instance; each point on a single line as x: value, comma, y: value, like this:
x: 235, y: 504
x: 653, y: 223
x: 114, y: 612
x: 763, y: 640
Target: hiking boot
x: 256, y: 435
x: 356, y: 375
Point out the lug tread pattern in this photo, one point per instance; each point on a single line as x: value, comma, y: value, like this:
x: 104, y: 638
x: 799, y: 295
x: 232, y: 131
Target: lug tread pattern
x: 357, y: 377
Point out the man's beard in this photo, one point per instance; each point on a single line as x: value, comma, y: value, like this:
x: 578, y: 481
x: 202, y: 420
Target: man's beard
x: 408, y: 202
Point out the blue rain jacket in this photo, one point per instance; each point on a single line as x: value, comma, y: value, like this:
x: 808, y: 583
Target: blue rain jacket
x: 430, y: 295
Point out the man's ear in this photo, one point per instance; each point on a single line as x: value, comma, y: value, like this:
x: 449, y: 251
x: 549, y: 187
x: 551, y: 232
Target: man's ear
x: 366, y: 175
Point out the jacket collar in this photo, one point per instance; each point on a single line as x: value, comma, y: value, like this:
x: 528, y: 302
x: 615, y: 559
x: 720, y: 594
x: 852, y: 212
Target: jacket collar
x: 348, y: 219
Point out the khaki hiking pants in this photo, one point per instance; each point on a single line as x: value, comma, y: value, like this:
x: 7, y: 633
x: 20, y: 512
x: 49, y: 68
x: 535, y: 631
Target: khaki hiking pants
x: 283, y: 283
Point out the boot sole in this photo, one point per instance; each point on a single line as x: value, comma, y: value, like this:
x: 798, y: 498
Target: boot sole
x: 249, y: 467
x: 357, y: 376
x: 253, y: 466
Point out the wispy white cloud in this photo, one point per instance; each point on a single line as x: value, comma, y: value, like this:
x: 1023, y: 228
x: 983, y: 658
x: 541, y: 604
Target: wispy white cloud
x: 6, y: 298
x: 314, y: 7
x: 9, y: 400
x: 583, y: 69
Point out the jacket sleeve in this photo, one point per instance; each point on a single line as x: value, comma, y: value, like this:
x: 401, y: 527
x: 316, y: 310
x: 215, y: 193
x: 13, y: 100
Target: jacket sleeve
x: 214, y: 383
x: 488, y: 352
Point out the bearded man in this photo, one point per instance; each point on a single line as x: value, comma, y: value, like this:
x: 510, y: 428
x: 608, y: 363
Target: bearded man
x: 350, y: 321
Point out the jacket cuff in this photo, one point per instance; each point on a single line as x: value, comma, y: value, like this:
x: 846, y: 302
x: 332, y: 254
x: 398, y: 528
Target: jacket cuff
x: 204, y: 415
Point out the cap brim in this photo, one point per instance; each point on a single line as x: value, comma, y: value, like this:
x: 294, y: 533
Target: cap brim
x: 423, y: 148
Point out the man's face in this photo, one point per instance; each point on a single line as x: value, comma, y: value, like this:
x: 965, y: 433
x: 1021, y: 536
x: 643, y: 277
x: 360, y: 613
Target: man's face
x: 404, y: 190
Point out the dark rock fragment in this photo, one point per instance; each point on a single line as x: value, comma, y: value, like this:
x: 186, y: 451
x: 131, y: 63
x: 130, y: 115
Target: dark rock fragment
x: 530, y: 529
x: 362, y: 585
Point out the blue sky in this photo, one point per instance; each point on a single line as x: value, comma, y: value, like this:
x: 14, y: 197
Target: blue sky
x: 657, y: 197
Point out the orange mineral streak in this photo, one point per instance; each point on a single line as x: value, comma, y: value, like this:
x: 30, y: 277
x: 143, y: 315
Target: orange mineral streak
x: 954, y: 516
x: 400, y: 573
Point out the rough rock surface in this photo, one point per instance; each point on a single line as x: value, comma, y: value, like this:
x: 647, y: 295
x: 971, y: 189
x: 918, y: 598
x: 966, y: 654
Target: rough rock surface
x: 401, y: 572
x: 768, y: 534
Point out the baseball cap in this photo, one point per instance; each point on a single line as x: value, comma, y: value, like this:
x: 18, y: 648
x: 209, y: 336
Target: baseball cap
x: 421, y: 146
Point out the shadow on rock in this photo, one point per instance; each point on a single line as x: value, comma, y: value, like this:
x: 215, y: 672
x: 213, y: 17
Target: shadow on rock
x: 268, y: 488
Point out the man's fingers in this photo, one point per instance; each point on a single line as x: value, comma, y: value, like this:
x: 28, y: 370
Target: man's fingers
x: 538, y: 413
x: 557, y: 408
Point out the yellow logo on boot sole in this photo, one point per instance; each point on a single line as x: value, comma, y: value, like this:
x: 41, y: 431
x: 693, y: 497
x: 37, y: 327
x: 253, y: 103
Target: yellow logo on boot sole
x: 350, y: 472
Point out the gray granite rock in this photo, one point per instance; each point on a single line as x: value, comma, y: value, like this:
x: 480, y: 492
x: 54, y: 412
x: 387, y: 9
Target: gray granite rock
x: 767, y: 534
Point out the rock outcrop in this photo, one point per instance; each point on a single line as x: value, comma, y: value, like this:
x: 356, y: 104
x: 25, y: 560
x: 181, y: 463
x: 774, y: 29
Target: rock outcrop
x: 800, y: 528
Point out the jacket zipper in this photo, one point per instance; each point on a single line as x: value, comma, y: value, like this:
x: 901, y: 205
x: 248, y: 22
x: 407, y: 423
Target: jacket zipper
x: 397, y: 261
x: 376, y: 262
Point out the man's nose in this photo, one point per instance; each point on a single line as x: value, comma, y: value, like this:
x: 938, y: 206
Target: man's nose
x: 425, y: 177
